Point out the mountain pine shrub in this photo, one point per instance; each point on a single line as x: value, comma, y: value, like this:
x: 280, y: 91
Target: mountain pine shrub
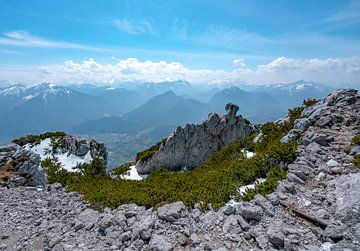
x: 216, y: 181
x: 356, y: 139
x: 36, y: 139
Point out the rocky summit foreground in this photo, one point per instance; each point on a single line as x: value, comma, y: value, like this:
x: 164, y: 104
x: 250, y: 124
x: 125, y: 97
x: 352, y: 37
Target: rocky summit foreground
x: 317, y: 207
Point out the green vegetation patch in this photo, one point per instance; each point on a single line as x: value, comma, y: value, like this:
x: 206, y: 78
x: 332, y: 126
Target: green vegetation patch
x: 123, y: 169
x: 36, y: 139
x: 356, y: 139
x: 275, y: 174
x: 215, y: 182
x: 357, y: 160
x: 148, y: 153
x: 309, y: 102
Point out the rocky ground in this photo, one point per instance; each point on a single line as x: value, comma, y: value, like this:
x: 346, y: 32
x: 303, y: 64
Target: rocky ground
x: 317, y: 207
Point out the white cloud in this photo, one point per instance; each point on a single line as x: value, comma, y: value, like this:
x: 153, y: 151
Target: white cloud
x: 143, y: 27
x: 24, y: 39
x: 332, y: 71
x: 239, y: 62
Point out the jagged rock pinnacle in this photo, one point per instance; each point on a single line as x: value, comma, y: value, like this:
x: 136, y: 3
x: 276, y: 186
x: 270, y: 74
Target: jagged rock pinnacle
x: 191, y: 145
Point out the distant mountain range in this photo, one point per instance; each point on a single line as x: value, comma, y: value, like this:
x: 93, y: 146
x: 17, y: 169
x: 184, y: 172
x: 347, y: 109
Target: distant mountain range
x: 144, y: 112
x: 166, y: 110
x: 46, y: 107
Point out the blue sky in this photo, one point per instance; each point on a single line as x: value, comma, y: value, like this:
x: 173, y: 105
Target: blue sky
x: 199, y: 35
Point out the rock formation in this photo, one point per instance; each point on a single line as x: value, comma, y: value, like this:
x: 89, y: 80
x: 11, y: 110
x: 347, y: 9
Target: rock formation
x: 80, y: 147
x: 191, y: 145
x: 20, y: 166
x: 317, y: 207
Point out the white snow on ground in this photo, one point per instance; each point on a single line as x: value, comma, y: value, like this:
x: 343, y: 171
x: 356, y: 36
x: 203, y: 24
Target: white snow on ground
x: 248, y: 154
x: 242, y: 189
x: 133, y: 175
x: 326, y: 246
x: 68, y: 162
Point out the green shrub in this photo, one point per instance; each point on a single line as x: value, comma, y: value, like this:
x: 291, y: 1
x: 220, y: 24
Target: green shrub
x: 356, y: 139
x: 92, y: 169
x: 148, y: 153
x: 275, y: 174
x: 123, y: 169
x: 246, y: 121
x: 309, y: 102
x: 216, y: 181
x: 357, y: 160
x: 55, y: 172
x: 36, y: 139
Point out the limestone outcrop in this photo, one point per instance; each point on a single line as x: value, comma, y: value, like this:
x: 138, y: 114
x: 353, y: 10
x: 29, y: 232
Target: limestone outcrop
x: 80, y: 147
x: 191, y: 145
x: 21, y: 165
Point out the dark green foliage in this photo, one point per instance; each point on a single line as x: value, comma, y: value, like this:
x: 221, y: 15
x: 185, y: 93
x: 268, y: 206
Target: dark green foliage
x: 246, y: 121
x: 356, y: 139
x: 58, y: 142
x: 275, y: 174
x: 309, y: 102
x: 148, y: 153
x: 357, y: 160
x: 36, y: 139
x: 95, y: 168
x: 95, y: 145
x: 55, y: 172
x: 215, y: 182
x: 123, y: 169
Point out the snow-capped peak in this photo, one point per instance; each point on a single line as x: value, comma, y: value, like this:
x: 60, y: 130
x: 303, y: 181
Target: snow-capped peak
x: 13, y: 90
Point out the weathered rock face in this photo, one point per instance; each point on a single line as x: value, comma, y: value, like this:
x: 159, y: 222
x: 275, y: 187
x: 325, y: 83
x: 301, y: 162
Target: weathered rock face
x: 191, y: 145
x: 80, y: 147
x: 20, y: 167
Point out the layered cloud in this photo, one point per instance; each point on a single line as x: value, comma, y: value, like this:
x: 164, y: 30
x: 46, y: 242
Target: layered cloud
x: 334, y: 71
x: 24, y: 39
x: 143, y: 27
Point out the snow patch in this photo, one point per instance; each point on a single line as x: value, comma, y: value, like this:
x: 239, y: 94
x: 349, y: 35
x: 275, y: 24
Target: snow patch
x: 133, y: 174
x: 28, y: 97
x: 326, y: 246
x: 242, y: 189
x: 248, y: 154
x: 67, y: 161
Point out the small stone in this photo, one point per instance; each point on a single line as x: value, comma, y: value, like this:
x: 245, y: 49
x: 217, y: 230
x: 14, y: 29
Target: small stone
x: 161, y: 243
x: 171, y: 212
x: 229, y: 209
x: 335, y: 233
x: 276, y: 237
x: 194, y: 239
x: 250, y: 211
x: 125, y: 236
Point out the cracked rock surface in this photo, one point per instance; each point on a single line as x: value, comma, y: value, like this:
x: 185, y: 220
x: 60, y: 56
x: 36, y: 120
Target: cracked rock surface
x: 191, y: 145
